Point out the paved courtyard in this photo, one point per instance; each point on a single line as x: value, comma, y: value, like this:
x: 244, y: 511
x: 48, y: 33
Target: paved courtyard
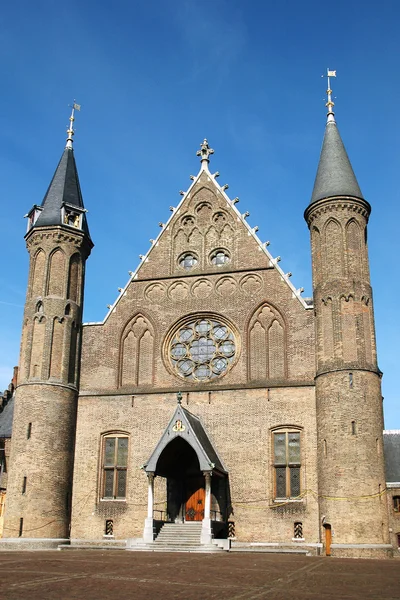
x: 97, y: 575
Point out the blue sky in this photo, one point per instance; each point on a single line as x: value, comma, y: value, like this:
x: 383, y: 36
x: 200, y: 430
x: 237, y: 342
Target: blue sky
x: 154, y: 78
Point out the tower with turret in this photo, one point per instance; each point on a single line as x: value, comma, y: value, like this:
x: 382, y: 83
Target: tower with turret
x: 348, y: 381
x: 58, y: 242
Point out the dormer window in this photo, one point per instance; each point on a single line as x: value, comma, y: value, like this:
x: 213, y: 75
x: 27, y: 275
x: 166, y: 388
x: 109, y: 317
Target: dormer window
x: 72, y: 216
x: 33, y: 216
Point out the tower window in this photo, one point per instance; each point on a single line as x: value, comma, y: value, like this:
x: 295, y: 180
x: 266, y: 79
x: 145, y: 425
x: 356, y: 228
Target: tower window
x: 353, y: 428
x: 29, y: 431
x: 24, y: 485
x: 115, y: 461
x: 396, y: 504
x: 351, y: 380
x: 287, y: 464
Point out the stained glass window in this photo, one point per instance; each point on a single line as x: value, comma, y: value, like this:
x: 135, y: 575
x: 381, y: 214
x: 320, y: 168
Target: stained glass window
x: 115, y: 461
x: 202, y: 349
x: 287, y: 464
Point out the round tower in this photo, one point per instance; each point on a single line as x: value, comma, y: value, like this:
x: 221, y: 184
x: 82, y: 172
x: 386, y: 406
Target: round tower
x: 348, y: 382
x: 41, y: 463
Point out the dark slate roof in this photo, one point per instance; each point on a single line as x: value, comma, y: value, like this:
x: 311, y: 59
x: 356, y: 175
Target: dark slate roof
x: 6, y: 419
x: 391, y: 442
x: 195, y: 435
x: 335, y: 175
x: 64, y: 187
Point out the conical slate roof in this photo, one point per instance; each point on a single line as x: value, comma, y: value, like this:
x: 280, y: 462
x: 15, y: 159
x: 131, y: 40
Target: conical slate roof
x: 64, y: 187
x: 335, y: 175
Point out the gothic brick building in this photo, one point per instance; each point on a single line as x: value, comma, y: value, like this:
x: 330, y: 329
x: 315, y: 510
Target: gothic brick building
x: 213, y: 397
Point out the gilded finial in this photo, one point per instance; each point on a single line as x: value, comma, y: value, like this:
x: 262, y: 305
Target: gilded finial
x: 70, y: 130
x: 330, y: 104
x: 204, y: 154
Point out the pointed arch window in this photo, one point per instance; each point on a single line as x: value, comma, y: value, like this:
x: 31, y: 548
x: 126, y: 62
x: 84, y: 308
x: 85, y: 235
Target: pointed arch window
x: 286, y: 463
x: 114, y: 466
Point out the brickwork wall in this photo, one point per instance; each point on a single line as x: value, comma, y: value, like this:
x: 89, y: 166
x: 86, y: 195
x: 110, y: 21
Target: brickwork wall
x: 348, y: 393
x: 41, y: 461
x: 394, y: 520
x: 239, y: 423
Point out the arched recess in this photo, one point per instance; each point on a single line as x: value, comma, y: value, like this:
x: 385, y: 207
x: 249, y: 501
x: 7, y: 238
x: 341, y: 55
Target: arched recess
x: 368, y: 331
x: 354, y: 249
x: 56, y: 278
x: 316, y: 253
x: 56, y: 355
x: 38, y: 337
x: 137, y: 353
x: 39, y: 262
x: 348, y: 328
x: 328, y: 346
x: 73, y: 278
x: 333, y: 249
x: 267, y: 344
x: 73, y: 353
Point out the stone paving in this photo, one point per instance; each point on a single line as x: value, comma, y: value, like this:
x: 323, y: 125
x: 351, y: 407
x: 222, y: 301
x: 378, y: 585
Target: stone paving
x: 98, y: 575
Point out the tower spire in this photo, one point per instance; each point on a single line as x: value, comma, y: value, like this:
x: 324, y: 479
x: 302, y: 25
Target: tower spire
x: 70, y: 130
x: 330, y: 104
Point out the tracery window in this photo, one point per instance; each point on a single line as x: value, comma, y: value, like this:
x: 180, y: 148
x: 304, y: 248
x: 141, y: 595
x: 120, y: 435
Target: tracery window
x: 115, y: 462
x: 287, y: 462
x: 202, y: 349
x: 220, y: 258
x: 188, y: 261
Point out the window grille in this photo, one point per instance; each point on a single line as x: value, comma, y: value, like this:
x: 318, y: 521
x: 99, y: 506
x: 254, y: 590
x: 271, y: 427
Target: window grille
x: 115, y: 460
x: 109, y: 529
x: 287, y: 464
x: 298, y: 530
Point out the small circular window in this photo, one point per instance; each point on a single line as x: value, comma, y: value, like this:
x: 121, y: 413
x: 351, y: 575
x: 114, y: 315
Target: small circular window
x: 202, y: 349
x: 220, y: 258
x: 187, y: 261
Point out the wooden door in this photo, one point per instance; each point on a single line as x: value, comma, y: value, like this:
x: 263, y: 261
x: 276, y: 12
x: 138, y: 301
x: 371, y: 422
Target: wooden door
x: 194, y: 510
x: 328, y: 539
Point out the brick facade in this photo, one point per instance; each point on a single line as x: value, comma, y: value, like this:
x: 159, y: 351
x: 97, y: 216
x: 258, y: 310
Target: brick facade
x: 305, y: 371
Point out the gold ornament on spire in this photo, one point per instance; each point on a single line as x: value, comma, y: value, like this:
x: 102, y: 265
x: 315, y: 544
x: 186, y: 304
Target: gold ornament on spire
x: 330, y: 104
x: 70, y: 130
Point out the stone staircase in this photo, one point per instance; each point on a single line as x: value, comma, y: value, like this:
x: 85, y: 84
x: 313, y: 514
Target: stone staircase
x: 178, y: 537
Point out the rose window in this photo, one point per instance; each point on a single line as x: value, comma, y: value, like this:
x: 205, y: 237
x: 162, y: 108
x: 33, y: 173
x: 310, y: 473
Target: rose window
x: 202, y: 350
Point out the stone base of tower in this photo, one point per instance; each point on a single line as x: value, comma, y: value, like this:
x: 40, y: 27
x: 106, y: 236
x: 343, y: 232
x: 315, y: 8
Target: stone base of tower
x: 362, y: 551
x: 7, y: 544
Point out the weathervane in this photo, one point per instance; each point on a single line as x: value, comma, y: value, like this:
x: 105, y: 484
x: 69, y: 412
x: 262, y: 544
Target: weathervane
x: 70, y: 130
x: 330, y: 104
x: 204, y: 153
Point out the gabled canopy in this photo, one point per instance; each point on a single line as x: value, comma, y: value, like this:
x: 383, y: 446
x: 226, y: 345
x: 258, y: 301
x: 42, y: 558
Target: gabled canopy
x: 188, y: 427
x: 335, y: 175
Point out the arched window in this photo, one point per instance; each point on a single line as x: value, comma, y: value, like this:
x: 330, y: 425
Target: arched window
x: 286, y: 463
x: 114, y: 466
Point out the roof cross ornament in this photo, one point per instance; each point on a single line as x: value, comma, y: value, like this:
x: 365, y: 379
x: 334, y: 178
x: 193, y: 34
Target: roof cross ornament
x: 70, y: 130
x: 204, y: 153
x: 330, y: 104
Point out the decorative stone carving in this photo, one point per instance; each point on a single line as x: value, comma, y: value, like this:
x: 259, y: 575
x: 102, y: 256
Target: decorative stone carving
x: 155, y: 292
x: 178, y: 291
x: 226, y: 286
x: 201, y: 288
x: 251, y: 284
